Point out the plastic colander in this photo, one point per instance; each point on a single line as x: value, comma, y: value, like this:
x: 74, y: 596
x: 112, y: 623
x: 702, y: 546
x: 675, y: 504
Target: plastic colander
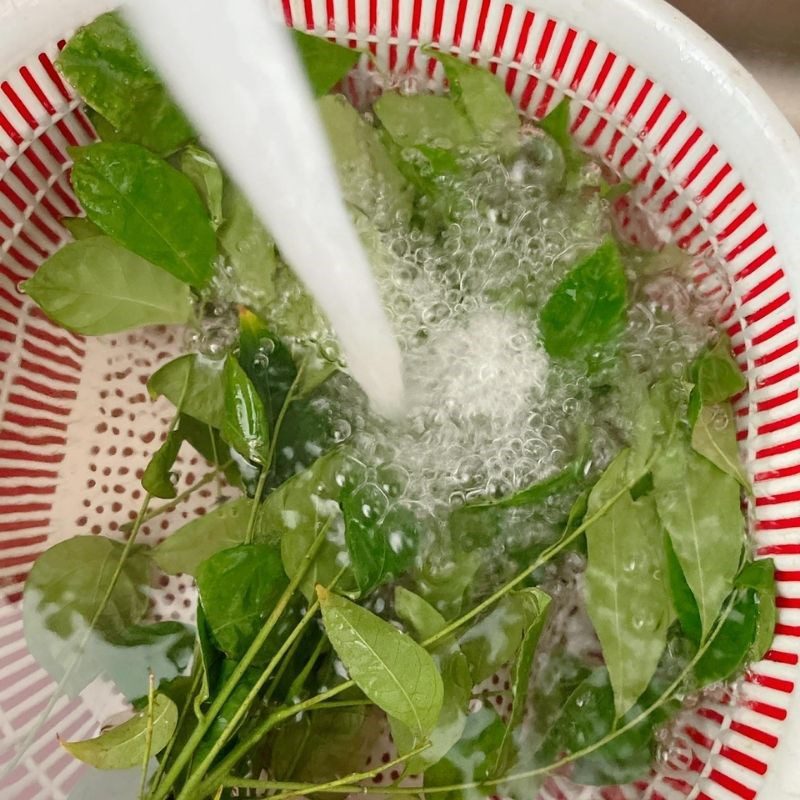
x: 716, y: 170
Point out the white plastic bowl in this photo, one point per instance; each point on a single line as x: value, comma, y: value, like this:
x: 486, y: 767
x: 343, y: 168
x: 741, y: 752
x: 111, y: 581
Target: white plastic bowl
x: 715, y: 164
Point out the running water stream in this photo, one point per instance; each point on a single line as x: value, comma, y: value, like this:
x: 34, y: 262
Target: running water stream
x: 236, y: 74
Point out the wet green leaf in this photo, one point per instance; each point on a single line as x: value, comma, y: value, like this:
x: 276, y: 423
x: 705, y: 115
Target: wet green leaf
x: 424, y: 621
x: 495, y: 639
x: 483, y: 99
x: 326, y: 63
x: 760, y: 577
x: 588, y: 308
x: 557, y: 125
x: 716, y: 374
x: 186, y: 548
x: 323, y: 746
x: 203, y: 171
x: 682, y: 598
x: 714, y: 436
x: 81, y: 227
x: 537, y: 493
x: 294, y: 514
x: 539, y: 603
x: 729, y: 651
x: 148, y: 207
x: 211, y: 659
x: 204, y: 398
x: 381, y: 538
x: 62, y: 595
x: 245, y: 426
x: 236, y: 616
x: 367, y: 173
x: 124, y: 747
x: 392, y: 670
x: 163, y: 648
x: 699, y: 506
x: 424, y: 120
x: 588, y: 716
x: 626, y: 597
x: 249, y: 251
x: 267, y: 362
x: 94, y: 287
x: 445, y: 585
x: 104, y: 64
x: 157, y: 478
x: 471, y: 758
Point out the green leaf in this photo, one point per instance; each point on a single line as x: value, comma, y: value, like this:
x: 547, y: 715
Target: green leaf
x: 204, y: 397
x: 186, y: 548
x: 322, y: 746
x: 682, y: 598
x: 557, y: 125
x: 381, y: 538
x: 445, y: 585
x: 104, y: 64
x: 294, y: 513
x: 62, y: 596
x: 472, y: 758
x: 124, y: 747
x: 94, y: 286
x: 728, y: 653
x: 106, y: 132
x: 699, y: 506
x: 208, y: 442
x: 588, y: 307
x: 424, y: 621
x: 81, y: 227
x: 392, y: 670
x: 626, y: 597
x: 148, y: 207
x: 211, y: 659
x: 229, y: 709
x: 203, y: 171
x: 760, y: 577
x: 235, y: 617
x: 249, y: 251
x: 536, y: 493
x: 716, y: 374
x: 267, y: 362
x: 587, y: 717
x: 714, y: 436
x: 424, y: 120
x: 326, y: 63
x: 539, y: 603
x: 369, y: 178
x: 245, y: 426
x: 495, y: 639
x: 162, y: 648
x: 157, y: 478
x: 483, y: 99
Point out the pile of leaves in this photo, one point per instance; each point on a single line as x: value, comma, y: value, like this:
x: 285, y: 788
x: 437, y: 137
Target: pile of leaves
x: 315, y: 619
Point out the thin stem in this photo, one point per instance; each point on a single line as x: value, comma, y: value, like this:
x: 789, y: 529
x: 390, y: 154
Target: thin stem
x: 148, y: 734
x: 302, y: 676
x: 273, y: 719
x: 546, y: 556
x: 337, y: 785
x: 252, y: 652
x: 251, y: 522
x: 197, y: 676
x: 178, y: 499
x: 281, y: 672
x: 78, y: 652
x: 295, y: 790
x: 355, y: 702
x: 197, y: 773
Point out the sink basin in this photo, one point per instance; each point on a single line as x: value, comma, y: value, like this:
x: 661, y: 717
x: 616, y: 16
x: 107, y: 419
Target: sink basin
x: 764, y: 35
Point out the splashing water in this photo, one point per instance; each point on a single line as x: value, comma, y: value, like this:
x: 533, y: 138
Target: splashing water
x: 237, y: 76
